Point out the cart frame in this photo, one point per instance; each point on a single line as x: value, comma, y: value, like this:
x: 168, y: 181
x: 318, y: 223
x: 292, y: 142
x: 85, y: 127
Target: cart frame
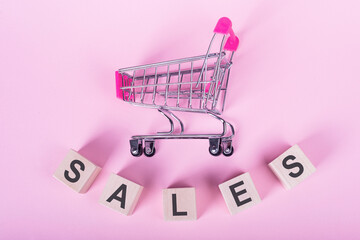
x: 198, y: 89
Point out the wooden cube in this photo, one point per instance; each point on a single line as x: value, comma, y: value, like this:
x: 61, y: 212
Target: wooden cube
x: 77, y: 172
x: 179, y: 204
x: 120, y: 194
x: 292, y: 167
x: 239, y: 193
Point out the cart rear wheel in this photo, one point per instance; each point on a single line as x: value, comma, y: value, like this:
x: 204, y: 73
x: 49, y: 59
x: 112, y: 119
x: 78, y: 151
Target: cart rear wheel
x: 136, y: 147
x: 228, y: 151
x: 137, y: 152
x: 215, y: 151
x: 149, y: 152
x: 149, y: 149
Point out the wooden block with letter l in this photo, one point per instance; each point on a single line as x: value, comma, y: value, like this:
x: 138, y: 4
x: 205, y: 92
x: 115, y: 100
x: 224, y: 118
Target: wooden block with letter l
x: 292, y: 167
x: 239, y: 193
x: 120, y: 194
x: 77, y: 172
x: 179, y: 204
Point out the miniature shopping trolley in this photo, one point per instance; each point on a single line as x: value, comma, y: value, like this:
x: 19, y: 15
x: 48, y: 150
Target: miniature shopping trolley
x: 195, y: 84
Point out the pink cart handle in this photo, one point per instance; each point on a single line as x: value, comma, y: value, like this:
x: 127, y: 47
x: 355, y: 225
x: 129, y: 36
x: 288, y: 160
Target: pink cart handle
x: 224, y: 26
x: 119, y: 92
x: 119, y: 84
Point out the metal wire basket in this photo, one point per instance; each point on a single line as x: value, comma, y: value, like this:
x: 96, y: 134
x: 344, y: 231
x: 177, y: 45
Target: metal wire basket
x: 195, y: 84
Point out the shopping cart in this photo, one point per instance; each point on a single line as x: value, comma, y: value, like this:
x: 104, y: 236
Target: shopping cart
x: 195, y: 84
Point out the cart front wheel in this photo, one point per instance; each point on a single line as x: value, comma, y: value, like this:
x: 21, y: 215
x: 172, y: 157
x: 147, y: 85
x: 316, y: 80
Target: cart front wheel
x: 215, y: 151
x: 149, y: 152
x: 136, y: 152
x: 215, y: 146
x: 228, y: 151
x: 136, y: 147
x: 149, y: 149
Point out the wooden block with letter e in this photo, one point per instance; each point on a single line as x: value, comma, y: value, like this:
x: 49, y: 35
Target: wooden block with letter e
x: 239, y: 193
x: 292, y: 167
x: 77, y: 172
x: 179, y: 204
x: 120, y: 194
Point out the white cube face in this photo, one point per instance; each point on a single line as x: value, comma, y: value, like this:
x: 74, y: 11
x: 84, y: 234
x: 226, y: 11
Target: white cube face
x: 292, y: 167
x: 120, y: 194
x: 77, y: 172
x: 179, y: 204
x: 239, y: 193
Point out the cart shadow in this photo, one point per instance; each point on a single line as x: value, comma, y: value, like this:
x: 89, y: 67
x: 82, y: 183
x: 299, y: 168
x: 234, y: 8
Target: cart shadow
x: 320, y: 145
x: 264, y: 179
x: 317, y: 147
x: 100, y: 148
x: 206, y: 184
x: 245, y: 59
x: 143, y: 172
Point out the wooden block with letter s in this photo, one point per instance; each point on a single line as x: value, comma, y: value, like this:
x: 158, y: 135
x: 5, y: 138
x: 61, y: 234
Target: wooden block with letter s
x: 292, y: 167
x: 239, y: 193
x: 77, y: 172
x: 120, y: 194
x: 179, y: 204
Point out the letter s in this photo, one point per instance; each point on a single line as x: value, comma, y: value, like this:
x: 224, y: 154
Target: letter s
x: 293, y: 165
x: 76, y: 172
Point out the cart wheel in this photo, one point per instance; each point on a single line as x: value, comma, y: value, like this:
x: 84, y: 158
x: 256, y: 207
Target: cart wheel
x: 215, y: 146
x: 136, y: 147
x: 215, y: 151
x: 149, y: 152
x: 149, y: 149
x: 137, y: 152
x: 228, y: 151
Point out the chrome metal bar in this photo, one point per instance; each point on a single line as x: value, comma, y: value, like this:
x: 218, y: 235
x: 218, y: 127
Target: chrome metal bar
x: 209, y: 93
x: 173, y: 73
x: 173, y: 93
x: 217, y: 74
x: 218, y: 89
x: 191, y: 83
x: 178, y: 88
x: 176, y: 61
x: 232, y: 132
x: 160, y: 84
x: 180, y: 122
x: 185, y: 97
x: 202, y: 91
x: 132, y: 85
x: 154, y: 86
x: 212, y: 90
x: 142, y: 89
x: 221, y: 120
x: 178, y: 136
x: 147, y: 83
x: 188, y: 136
x: 204, y: 86
x: 123, y: 84
x: 227, y: 81
x: 181, y: 81
x: 205, y: 60
x: 167, y: 84
x: 218, y: 61
x: 171, y: 123
x: 183, y: 109
x: 177, y: 119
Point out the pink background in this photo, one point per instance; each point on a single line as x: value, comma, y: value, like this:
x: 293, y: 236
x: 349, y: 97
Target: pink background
x: 295, y: 79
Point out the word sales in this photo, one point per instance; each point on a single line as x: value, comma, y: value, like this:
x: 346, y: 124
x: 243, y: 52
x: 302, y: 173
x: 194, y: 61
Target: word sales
x: 239, y: 193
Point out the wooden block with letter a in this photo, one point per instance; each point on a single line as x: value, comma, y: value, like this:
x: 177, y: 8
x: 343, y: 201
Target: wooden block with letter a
x: 292, y: 167
x: 239, y: 193
x: 179, y: 204
x: 120, y: 194
x: 77, y: 172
